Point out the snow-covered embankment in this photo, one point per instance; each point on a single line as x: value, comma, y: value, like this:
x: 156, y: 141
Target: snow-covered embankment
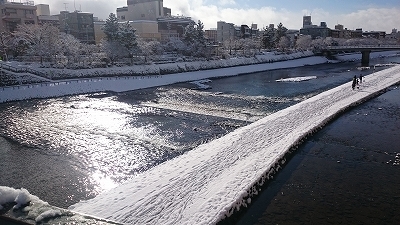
x: 210, y: 182
x: 120, y: 84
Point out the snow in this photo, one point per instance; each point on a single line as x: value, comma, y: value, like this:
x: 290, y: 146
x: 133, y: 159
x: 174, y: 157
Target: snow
x: 210, y: 182
x: 22, y: 198
x: 19, y: 197
x: 31, y: 209
x: 121, y: 84
x: 201, y: 84
x: 297, y: 79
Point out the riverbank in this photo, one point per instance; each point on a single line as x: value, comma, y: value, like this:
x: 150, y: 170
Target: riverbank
x: 109, y: 79
x: 122, y: 84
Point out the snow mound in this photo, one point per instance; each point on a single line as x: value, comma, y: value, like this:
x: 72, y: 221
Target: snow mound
x: 201, y: 84
x: 297, y: 79
x: 213, y: 181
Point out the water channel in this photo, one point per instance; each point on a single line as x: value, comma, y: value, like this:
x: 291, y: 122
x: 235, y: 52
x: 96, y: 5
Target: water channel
x: 72, y: 148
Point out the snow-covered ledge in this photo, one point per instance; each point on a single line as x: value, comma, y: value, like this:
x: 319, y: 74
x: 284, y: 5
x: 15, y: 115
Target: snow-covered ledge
x: 127, y: 83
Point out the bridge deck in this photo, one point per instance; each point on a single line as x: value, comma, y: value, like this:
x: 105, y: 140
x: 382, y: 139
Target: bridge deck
x: 363, y: 48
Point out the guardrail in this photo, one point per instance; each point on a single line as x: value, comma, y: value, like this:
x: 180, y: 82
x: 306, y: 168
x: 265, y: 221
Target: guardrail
x: 75, y: 81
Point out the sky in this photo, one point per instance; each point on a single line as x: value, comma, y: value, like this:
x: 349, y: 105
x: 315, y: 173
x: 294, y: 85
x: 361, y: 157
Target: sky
x: 367, y: 14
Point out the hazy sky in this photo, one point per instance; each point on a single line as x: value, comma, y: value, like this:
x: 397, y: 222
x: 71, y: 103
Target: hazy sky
x: 367, y: 14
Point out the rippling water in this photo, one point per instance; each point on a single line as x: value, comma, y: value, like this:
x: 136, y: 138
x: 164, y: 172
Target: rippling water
x: 68, y: 149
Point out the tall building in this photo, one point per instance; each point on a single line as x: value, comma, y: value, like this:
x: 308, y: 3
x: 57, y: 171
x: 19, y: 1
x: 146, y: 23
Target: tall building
x: 78, y: 24
x: 16, y: 13
x: 307, y: 21
x: 142, y: 10
x: 315, y: 31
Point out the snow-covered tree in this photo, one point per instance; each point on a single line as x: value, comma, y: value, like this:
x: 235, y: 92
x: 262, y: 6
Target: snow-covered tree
x: 150, y: 48
x: 200, y: 34
x: 279, y: 33
x: 272, y: 36
x: 127, y: 39
x: 318, y: 43
x: 5, y: 44
x: 175, y: 45
x: 189, y: 37
x: 284, y: 43
x: 268, y: 38
x: 195, y: 40
x: 42, y: 39
x: 111, y: 27
x: 121, y: 39
x: 303, y: 42
x: 69, y: 47
x: 113, y: 50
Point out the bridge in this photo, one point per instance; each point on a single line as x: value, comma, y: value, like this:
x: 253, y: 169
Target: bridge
x: 364, y: 49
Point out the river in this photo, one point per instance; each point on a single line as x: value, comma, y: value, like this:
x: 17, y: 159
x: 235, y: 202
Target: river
x: 72, y: 148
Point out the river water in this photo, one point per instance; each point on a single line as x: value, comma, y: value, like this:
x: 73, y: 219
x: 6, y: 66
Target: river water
x: 72, y: 148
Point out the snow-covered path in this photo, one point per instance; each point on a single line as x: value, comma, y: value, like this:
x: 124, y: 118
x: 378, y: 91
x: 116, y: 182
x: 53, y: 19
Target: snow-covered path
x: 206, y: 184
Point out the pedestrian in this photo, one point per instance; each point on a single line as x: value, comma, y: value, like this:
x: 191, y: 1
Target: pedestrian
x: 353, y: 85
x: 360, y: 78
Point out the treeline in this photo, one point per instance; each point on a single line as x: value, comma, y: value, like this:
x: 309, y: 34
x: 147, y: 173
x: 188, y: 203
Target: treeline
x: 47, y: 45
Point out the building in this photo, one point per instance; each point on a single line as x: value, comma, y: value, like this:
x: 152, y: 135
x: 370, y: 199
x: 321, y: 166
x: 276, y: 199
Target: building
x: 255, y: 32
x: 122, y: 13
x: 99, y: 34
x: 225, y: 31
x: 147, y: 30
x: 43, y: 15
x: 315, y: 31
x: 142, y: 10
x: 43, y: 10
x: 173, y: 26
x: 339, y: 27
x: 375, y: 34
x: 16, y: 13
x: 245, y: 31
x: 78, y: 24
x: 307, y: 21
x: 211, y: 36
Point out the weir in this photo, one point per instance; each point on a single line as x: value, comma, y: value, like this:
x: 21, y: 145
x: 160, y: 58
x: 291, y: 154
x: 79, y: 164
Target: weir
x: 217, y: 179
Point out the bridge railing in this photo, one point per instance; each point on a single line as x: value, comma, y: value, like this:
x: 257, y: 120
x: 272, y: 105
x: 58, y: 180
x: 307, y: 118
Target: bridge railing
x: 364, y: 47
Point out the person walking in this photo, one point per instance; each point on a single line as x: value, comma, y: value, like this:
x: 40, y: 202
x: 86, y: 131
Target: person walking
x: 360, y: 78
x: 353, y: 85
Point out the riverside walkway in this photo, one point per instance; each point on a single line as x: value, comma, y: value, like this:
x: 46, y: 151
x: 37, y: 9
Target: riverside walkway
x: 209, y: 183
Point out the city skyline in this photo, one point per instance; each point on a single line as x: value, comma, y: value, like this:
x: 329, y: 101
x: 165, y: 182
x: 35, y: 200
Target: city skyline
x: 368, y: 15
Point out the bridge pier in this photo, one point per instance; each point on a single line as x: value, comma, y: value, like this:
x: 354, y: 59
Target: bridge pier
x: 365, y: 58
